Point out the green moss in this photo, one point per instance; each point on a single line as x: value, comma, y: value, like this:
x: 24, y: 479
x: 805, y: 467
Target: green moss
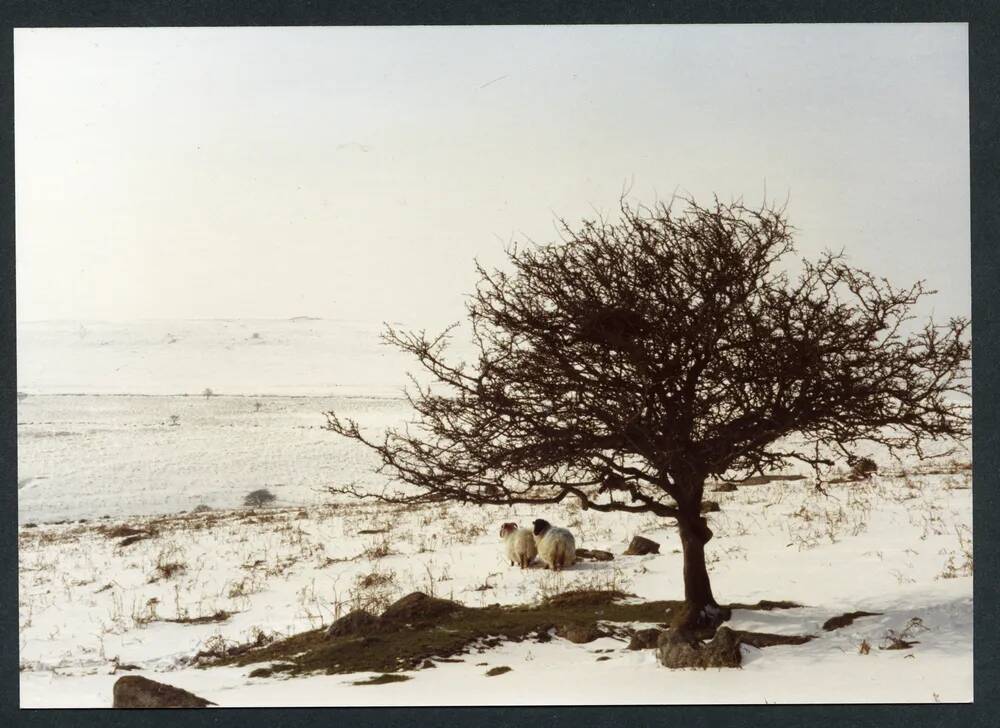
x: 403, y: 645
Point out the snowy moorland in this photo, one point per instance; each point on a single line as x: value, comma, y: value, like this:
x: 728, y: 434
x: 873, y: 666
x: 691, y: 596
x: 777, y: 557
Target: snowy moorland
x: 137, y: 555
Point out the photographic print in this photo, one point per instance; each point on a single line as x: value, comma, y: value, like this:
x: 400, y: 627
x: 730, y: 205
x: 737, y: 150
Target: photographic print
x: 493, y: 365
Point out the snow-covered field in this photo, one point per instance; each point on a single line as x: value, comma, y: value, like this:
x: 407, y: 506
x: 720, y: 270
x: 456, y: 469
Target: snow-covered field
x: 899, y: 544
x: 295, y: 356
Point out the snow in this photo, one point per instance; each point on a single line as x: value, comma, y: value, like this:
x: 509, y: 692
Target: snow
x: 295, y: 356
x: 898, y: 544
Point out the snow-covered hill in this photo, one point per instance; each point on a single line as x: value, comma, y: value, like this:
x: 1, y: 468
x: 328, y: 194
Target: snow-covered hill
x: 299, y: 356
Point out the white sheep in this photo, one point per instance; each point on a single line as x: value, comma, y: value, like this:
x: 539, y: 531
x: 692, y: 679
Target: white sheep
x: 520, y: 544
x: 556, y: 546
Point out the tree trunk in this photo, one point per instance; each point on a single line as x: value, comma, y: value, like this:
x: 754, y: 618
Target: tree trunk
x: 700, y: 610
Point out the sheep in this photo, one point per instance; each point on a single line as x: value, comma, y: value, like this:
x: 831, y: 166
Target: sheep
x: 556, y: 546
x: 520, y: 544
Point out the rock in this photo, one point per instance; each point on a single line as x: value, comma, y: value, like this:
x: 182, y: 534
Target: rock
x: 641, y: 546
x: 681, y: 649
x: 542, y: 634
x: 427, y: 664
x: 417, y: 607
x: 767, y: 605
x: 766, y: 639
x: 580, y: 633
x: 134, y: 691
x: 709, y: 507
x: 644, y: 639
x: 383, y: 679
x: 357, y: 622
x: 845, y: 619
x: 594, y: 554
x: 498, y: 671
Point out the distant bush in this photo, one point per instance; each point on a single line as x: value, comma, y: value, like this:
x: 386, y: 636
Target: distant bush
x: 258, y: 498
x: 201, y: 508
x: 255, y: 335
x: 863, y: 469
x: 175, y: 420
x: 257, y: 406
x: 207, y: 392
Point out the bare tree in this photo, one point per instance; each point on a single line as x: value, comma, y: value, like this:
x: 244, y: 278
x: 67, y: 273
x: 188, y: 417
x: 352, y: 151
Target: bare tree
x: 628, y: 363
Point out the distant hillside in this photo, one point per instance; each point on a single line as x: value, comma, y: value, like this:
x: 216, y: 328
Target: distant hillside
x: 303, y: 355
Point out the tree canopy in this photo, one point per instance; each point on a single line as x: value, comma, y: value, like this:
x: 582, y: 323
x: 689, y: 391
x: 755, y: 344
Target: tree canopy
x: 643, y: 355
x: 627, y: 363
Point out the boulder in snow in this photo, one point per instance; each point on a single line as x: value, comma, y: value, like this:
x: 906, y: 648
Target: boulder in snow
x: 135, y: 691
x: 641, y: 546
x: 644, y: 639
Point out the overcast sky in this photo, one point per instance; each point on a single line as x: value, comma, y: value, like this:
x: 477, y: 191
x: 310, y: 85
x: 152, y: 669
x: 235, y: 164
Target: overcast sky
x: 355, y: 172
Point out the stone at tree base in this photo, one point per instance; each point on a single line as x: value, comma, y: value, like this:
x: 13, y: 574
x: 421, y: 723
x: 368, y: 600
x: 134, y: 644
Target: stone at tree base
x: 710, y: 506
x: 357, y: 622
x: 708, y: 617
x: 580, y: 633
x: 135, y: 691
x: 641, y: 546
x: 644, y: 639
x: 678, y: 649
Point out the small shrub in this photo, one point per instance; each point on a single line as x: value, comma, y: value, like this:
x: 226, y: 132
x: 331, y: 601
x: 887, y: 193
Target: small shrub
x: 175, y: 420
x: 377, y: 551
x: 207, y: 392
x: 375, y: 579
x: 259, y: 498
x: 243, y: 588
x: 168, y: 563
x: 900, y: 640
x: 201, y: 508
x: 863, y: 469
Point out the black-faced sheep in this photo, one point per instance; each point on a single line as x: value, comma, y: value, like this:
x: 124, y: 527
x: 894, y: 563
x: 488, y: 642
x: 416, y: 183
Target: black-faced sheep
x: 556, y: 546
x: 520, y: 543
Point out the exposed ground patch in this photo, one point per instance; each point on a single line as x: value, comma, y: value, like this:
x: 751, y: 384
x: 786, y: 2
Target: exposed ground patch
x: 420, y: 628
x: 844, y: 620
